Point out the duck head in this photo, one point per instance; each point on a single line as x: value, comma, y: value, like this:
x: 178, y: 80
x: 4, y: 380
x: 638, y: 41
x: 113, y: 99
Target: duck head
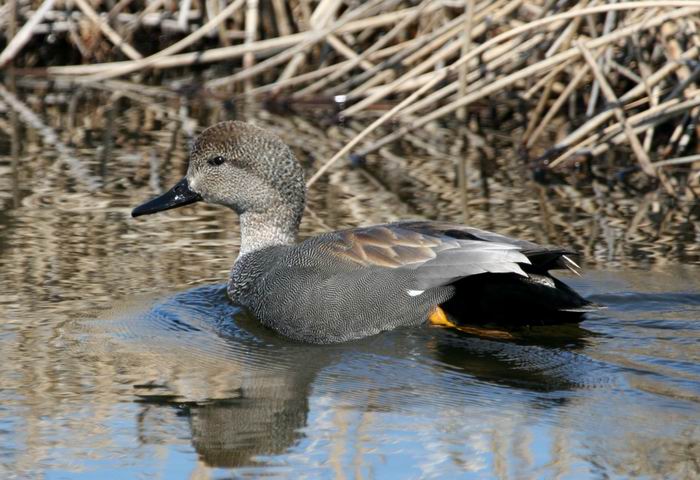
x: 249, y: 170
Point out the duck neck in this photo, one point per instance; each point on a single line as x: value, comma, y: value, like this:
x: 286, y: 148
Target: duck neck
x: 267, y: 229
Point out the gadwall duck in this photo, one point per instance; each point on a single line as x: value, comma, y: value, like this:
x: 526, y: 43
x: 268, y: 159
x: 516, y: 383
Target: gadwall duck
x: 353, y: 283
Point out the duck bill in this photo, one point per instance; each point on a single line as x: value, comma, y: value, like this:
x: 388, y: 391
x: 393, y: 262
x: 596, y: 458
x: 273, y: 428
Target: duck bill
x: 178, y: 196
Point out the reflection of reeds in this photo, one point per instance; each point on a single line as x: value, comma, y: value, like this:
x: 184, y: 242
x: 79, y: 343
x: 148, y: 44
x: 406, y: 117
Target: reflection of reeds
x: 417, y: 177
x: 430, y: 100
x: 436, y: 58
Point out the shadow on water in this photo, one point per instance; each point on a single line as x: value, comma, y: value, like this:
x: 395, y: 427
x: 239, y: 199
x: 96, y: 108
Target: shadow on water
x: 245, y: 391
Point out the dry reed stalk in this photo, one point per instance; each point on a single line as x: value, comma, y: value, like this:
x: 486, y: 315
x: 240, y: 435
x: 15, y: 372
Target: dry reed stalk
x: 466, y: 44
x: 435, y: 97
x: 7, y: 14
x: 653, y: 102
x: 299, y: 58
x: 377, y: 123
x: 531, y: 26
x: 385, y: 90
x: 676, y: 161
x: 610, y: 19
x: 151, y: 7
x: 492, y: 60
x: 324, y: 13
x: 611, y: 98
x: 475, y: 81
x: 116, y: 9
x: 302, y: 78
x: 227, y: 53
x: 554, y: 109
x: 213, y: 8
x: 251, y: 30
x: 20, y: 39
x: 564, y: 38
x: 314, y: 74
x: 534, y: 120
x: 347, y: 52
x: 530, y: 70
x: 626, y: 72
x: 398, y: 28
x: 108, y: 31
x: 314, y: 37
x: 172, y: 49
x: 445, y: 52
x: 283, y: 25
x: 183, y: 14
x: 292, y: 66
x: 640, y: 122
x: 684, y: 74
x: 439, y: 38
x: 635, y: 92
x: 546, y: 79
x: 400, y: 57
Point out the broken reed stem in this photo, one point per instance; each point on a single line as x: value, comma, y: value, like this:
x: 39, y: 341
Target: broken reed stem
x: 172, y: 49
x: 25, y: 34
x: 640, y: 121
x: 554, y: 109
x: 531, y: 26
x: 377, y: 123
x: 314, y: 38
x: 526, y: 72
x: 227, y: 53
x: 611, y: 98
x: 635, y: 92
x: 398, y: 28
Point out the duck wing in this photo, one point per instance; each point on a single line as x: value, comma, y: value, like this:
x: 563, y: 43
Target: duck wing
x: 541, y: 258
x: 432, y: 254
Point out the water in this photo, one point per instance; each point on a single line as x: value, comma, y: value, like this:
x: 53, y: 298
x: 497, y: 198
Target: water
x: 121, y: 357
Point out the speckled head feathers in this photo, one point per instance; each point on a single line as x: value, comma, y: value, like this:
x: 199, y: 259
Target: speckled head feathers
x: 246, y: 168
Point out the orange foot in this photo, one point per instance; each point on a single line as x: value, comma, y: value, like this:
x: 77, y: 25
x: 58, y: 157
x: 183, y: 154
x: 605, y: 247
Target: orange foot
x: 438, y: 318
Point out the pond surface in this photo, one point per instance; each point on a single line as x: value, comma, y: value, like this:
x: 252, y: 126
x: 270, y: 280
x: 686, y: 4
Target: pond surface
x: 121, y: 357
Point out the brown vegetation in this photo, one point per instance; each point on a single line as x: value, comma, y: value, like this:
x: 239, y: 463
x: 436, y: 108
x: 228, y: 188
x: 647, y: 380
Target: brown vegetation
x: 606, y: 86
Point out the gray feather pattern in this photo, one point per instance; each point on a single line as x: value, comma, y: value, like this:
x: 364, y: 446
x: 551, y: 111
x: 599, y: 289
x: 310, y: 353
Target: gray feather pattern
x: 353, y: 283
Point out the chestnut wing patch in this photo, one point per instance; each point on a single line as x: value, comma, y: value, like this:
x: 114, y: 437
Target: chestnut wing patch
x: 431, y: 259
x: 384, y: 246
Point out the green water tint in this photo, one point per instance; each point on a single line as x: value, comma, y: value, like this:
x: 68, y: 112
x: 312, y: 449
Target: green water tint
x: 122, y: 357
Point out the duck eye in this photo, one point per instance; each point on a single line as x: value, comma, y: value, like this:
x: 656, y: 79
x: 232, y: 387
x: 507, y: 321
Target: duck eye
x: 216, y: 161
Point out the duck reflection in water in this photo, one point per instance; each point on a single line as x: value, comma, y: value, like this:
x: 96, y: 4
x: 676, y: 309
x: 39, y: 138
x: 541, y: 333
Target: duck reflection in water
x: 246, y: 391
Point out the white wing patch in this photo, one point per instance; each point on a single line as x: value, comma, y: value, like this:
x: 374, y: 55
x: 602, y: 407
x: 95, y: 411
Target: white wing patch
x: 414, y: 293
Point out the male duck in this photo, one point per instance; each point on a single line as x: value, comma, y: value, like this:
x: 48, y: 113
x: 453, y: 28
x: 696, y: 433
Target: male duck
x: 354, y: 283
